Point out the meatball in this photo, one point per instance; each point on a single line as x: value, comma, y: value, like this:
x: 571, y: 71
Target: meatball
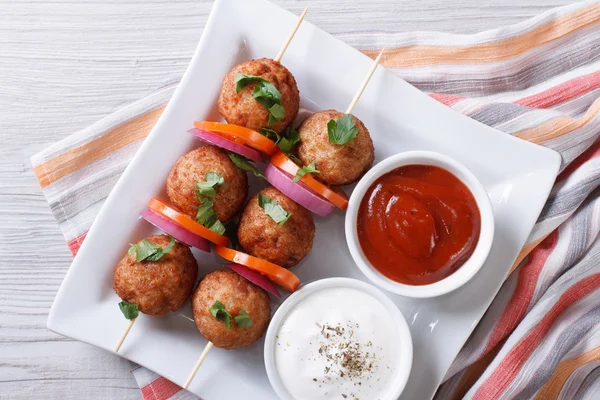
x: 192, y: 168
x: 160, y: 286
x: 237, y: 294
x: 338, y: 164
x: 243, y: 109
x: 285, y: 245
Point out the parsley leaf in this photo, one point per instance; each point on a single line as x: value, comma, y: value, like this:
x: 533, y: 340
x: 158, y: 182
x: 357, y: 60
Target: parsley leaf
x: 217, y: 226
x: 273, y: 209
x: 295, y: 159
x: 307, y: 169
x: 244, y: 164
x: 219, y: 312
x: 270, y: 134
x: 243, y: 320
x: 206, y: 213
x: 129, y: 310
x: 287, y: 143
x: 146, y: 250
x: 265, y: 93
x: 276, y: 112
x: 243, y: 80
x: 207, y: 188
x: 207, y: 217
x: 342, y: 131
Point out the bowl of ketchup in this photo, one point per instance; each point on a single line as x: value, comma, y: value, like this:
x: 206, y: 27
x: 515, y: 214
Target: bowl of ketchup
x: 419, y: 224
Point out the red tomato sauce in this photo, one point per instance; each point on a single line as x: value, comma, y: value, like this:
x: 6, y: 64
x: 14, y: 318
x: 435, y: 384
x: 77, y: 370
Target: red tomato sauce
x: 418, y: 224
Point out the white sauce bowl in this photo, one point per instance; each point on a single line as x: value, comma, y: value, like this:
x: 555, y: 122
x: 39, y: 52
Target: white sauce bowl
x: 463, y: 273
x: 403, y: 340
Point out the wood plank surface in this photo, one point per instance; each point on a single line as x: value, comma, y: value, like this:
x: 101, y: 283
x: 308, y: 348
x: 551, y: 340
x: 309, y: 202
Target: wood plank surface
x: 63, y: 65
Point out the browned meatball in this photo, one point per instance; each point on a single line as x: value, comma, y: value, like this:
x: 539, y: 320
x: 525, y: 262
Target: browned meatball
x: 237, y: 294
x: 338, y: 164
x: 192, y: 168
x: 262, y: 237
x: 242, y: 109
x: 160, y: 286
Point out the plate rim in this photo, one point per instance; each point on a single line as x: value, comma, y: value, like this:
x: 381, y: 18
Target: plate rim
x: 54, y: 325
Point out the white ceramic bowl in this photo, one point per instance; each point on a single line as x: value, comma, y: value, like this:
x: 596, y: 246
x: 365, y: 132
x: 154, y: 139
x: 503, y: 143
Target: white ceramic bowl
x: 404, y: 340
x: 468, y: 269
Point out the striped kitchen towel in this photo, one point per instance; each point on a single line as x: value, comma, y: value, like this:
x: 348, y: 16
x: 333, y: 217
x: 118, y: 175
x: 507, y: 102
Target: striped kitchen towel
x: 538, y: 80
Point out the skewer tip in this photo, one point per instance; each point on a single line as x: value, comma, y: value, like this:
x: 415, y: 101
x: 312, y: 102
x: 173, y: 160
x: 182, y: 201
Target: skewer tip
x: 365, y: 82
x: 192, y: 374
x: 124, y: 335
x: 291, y: 35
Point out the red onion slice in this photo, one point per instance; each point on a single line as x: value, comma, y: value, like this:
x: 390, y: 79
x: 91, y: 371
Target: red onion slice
x: 213, y: 138
x: 179, y: 233
x: 298, y: 191
x: 256, y: 278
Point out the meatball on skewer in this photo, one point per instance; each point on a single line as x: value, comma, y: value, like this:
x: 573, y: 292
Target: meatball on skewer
x: 275, y: 228
x: 207, y: 167
x: 156, y: 276
x: 261, y: 93
x: 230, y: 312
x: 338, y: 143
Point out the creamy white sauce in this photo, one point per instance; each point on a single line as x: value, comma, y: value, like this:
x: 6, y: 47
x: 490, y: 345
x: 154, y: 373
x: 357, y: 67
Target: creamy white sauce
x: 337, y: 342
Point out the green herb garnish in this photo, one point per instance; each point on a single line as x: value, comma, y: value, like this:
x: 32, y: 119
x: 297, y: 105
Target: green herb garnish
x: 129, y: 310
x: 207, y: 217
x: 206, y: 213
x: 207, y: 188
x: 265, y: 93
x: 295, y: 159
x: 276, y: 112
x: 216, y: 226
x: 245, y: 164
x: 219, y: 312
x: 284, y: 142
x: 307, y: 169
x: 270, y: 134
x: 206, y: 191
x: 287, y: 143
x: 146, y: 250
x: 342, y: 131
x: 243, y: 320
x: 273, y: 209
x: 242, y: 80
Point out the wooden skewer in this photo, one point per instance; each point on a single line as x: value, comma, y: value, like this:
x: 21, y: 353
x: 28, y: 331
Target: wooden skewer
x: 291, y: 36
x: 364, y: 83
x: 190, y: 378
x: 124, y: 335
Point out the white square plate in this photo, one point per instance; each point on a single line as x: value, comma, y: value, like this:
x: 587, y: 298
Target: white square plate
x: 517, y: 175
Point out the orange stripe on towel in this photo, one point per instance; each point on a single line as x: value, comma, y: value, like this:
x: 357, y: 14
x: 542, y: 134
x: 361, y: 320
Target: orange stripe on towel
x: 563, y: 371
x: 559, y: 126
x: 411, y: 56
x: 506, y: 371
x: 73, y: 160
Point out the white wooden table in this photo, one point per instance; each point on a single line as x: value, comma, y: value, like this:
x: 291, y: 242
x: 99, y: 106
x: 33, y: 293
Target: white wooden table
x: 63, y: 65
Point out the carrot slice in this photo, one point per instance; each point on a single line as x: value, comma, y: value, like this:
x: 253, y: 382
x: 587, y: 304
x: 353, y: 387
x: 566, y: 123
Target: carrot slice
x: 334, y: 195
x: 274, y: 272
x: 240, y: 135
x: 170, y: 213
